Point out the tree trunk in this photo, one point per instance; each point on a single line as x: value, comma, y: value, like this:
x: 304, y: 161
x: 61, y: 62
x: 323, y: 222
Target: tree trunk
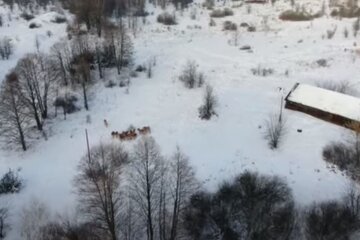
x: 149, y: 210
x: 85, y: 96
x: 37, y: 119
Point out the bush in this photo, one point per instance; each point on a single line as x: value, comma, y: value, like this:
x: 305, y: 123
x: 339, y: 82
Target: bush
x: 249, y: 207
x: 167, y: 19
x: 59, y: 19
x: 110, y: 84
x: 346, y: 12
x: 251, y: 29
x: 331, y: 33
x: 6, y: 48
x: 140, y: 68
x: 10, y: 183
x: 229, y: 26
x: 69, y: 230
x: 291, y: 15
x: 67, y: 103
x: 27, y: 16
x: 339, y: 154
x: 207, y: 110
x: 209, y: 4
x: 340, y: 87
x: 331, y: 220
x: 346, y: 155
x: 219, y: 13
x: 34, y: 25
x: 190, y: 75
x: 275, y: 129
x: 261, y: 71
x: 356, y: 27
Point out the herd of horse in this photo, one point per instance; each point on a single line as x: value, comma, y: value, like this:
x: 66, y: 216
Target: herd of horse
x: 131, y: 134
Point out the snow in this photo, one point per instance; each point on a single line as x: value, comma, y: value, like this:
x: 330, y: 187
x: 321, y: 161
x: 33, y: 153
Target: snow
x: 327, y: 101
x: 220, y: 148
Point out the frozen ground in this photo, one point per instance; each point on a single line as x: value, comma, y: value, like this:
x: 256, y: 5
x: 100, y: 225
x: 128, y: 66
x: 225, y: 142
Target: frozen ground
x: 222, y: 147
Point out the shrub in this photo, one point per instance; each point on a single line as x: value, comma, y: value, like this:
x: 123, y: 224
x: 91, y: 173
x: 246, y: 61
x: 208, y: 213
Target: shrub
x: 251, y: 29
x: 10, y: 183
x: 275, y: 129
x: 261, y: 71
x: 339, y: 154
x: 190, y: 75
x: 207, y: 110
x: 67, y: 103
x: 331, y: 220
x: 291, y: 15
x: 229, y: 26
x: 167, y: 19
x: 27, y: 16
x: 346, y: 12
x: 209, y: 4
x: 331, y: 33
x: 59, y: 19
x: 346, y: 155
x: 110, y: 84
x: 212, y: 22
x: 6, y: 48
x: 140, y: 13
x: 219, y: 13
x: 124, y: 82
x: 231, y: 210
x: 356, y: 27
x: 34, y: 25
x: 140, y: 68
x: 341, y: 87
x: 244, y: 24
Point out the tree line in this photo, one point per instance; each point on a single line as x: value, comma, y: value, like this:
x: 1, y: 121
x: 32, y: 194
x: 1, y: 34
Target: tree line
x: 141, y: 194
x: 40, y: 81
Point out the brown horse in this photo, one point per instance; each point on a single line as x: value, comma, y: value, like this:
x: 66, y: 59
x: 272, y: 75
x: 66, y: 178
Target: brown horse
x: 144, y: 131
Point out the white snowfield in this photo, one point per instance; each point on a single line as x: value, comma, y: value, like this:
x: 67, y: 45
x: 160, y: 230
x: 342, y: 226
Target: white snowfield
x: 220, y: 148
x: 327, y: 101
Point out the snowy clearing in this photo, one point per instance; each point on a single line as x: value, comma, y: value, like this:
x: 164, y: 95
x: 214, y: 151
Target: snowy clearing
x: 222, y: 147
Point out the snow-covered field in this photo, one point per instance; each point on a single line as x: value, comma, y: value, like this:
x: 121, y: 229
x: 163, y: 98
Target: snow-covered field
x: 219, y: 148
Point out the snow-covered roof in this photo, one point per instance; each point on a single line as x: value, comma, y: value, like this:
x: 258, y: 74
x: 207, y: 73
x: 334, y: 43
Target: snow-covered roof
x: 325, y: 100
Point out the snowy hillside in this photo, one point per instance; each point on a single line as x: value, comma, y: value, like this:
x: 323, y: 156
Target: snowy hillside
x: 220, y: 148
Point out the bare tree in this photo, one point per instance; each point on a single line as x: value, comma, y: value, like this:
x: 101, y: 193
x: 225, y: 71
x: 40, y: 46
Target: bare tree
x: 84, y: 76
x: 61, y: 52
x: 145, y: 180
x: 29, y: 74
x: 130, y: 225
x: 98, y: 183
x: 124, y: 48
x: 275, y: 129
x: 190, y: 75
x: 14, y: 117
x: 182, y: 185
x: 207, y: 110
x: 34, y: 216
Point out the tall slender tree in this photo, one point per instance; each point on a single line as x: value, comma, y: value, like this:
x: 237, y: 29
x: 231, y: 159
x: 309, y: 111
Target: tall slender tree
x: 14, y: 117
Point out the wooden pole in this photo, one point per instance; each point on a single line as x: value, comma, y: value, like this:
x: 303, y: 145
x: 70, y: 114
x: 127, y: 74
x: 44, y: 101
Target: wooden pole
x: 87, y: 144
